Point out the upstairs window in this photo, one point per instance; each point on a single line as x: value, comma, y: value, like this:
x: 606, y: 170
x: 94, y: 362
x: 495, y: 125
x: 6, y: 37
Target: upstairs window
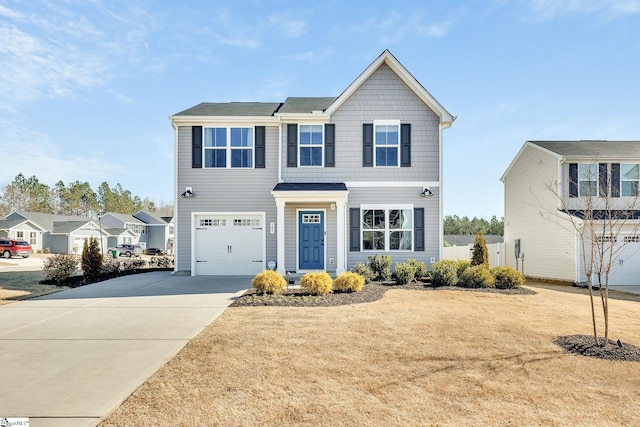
x: 588, y: 179
x: 228, y: 147
x: 386, y: 142
x: 311, y: 145
x: 629, y: 177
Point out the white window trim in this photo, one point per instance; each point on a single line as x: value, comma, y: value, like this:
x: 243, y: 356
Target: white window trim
x: 387, y: 230
x: 637, y: 181
x: 228, y: 148
x: 321, y: 146
x: 386, y: 123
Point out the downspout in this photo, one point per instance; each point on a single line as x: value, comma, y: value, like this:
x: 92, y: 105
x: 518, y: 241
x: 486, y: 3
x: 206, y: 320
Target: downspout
x: 279, y: 152
x: 440, y: 194
x: 175, y: 196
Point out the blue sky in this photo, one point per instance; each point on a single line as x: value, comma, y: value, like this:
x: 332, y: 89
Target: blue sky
x: 86, y: 86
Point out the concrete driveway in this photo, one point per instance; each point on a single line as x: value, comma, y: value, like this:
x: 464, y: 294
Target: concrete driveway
x: 70, y: 358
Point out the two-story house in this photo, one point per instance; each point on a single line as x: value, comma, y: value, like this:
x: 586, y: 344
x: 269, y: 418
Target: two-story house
x: 311, y: 184
x: 551, y: 186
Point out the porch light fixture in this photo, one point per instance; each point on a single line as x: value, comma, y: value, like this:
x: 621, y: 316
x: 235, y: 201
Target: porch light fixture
x: 188, y: 193
x: 426, y: 193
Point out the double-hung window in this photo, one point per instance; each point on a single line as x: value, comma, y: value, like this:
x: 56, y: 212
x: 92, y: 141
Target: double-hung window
x: 311, y: 145
x: 629, y: 177
x: 386, y: 142
x: 588, y: 179
x: 387, y: 229
x: 228, y: 147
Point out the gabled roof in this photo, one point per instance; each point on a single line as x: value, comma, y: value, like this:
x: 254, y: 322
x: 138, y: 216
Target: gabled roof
x: 583, y: 150
x: 47, y: 221
x: 7, y: 224
x: 157, y: 219
x: 118, y: 231
x: 245, y: 109
x: 66, y: 227
x: 305, y: 105
x: 387, y: 58
x: 126, y: 218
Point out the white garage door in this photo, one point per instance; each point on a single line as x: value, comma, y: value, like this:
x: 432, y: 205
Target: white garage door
x: 229, y: 244
x: 625, y: 270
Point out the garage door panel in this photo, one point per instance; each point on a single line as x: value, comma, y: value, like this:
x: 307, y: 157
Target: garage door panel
x: 625, y: 268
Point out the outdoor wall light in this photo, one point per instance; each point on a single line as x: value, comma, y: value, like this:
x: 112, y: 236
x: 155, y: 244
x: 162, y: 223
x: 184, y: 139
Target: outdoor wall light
x: 188, y: 193
x: 426, y: 193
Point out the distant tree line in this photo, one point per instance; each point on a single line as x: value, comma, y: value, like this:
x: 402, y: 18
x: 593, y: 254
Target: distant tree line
x: 456, y: 225
x: 75, y: 198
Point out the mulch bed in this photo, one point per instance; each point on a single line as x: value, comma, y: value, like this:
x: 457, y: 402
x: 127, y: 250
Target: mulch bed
x: 371, y: 292
x: 585, y: 345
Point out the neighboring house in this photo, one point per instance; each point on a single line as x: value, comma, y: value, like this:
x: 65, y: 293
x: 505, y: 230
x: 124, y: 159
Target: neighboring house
x: 145, y: 228
x: 56, y: 233
x: 311, y: 184
x: 550, y: 180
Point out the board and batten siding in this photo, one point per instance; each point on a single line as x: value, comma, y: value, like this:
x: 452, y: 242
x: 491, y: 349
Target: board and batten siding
x: 384, y: 96
x: 531, y: 215
x: 399, y: 196
x: 224, y: 190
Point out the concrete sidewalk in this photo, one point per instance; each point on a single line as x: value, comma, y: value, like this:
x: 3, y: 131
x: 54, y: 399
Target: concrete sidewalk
x: 70, y: 358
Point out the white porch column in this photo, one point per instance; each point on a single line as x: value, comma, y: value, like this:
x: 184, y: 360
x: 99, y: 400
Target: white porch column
x: 280, y: 236
x: 341, y: 236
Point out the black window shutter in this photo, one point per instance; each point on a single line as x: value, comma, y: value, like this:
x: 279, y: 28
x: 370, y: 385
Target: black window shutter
x: 367, y: 144
x: 573, y: 180
x: 259, y: 147
x: 418, y: 214
x: 615, y: 179
x: 330, y: 145
x: 292, y: 145
x: 405, y: 145
x: 603, y: 179
x: 196, y: 146
x: 354, y: 229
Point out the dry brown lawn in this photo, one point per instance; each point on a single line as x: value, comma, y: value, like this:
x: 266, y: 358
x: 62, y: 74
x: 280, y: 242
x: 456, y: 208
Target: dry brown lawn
x: 413, y: 358
x: 19, y: 285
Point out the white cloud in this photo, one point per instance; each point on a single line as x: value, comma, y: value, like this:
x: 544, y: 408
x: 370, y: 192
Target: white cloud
x: 237, y: 41
x: 312, y: 56
x: 9, y: 13
x: 397, y: 26
x: 548, y: 9
x: 292, y: 28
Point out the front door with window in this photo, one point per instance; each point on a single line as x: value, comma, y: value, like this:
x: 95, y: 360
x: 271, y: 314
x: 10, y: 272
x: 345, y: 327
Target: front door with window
x: 311, y: 240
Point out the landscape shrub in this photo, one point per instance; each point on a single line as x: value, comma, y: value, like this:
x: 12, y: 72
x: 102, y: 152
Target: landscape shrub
x: 269, y: 282
x: 480, y: 253
x: 381, y: 266
x: 132, y: 264
x: 364, y: 270
x: 420, y: 267
x: 349, y: 282
x: 507, y: 277
x: 161, y: 262
x: 110, y: 266
x: 60, y: 267
x: 405, y: 273
x: 91, y: 261
x: 316, y: 283
x: 462, y: 265
x: 476, y: 276
x: 444, y: 273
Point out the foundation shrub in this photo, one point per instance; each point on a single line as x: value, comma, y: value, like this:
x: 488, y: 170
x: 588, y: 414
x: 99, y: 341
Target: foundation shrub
x: 132, y: 264
x: 110, y: 266
x: 60, y: 267
x: 161, y: 262
x: 349, y: 282
x: 381, y: 266
x: 507, y: 277
x: 476, y: 276
x: 420, y: 267
x: 269, y: 282
x: 461, y: 266
x: 405, y: 273
x: 444, y: 273
x: 364, y: 270
x: 316, y: 283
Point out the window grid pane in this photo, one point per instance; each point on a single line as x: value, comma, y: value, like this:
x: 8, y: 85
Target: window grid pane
x: 387, y: 229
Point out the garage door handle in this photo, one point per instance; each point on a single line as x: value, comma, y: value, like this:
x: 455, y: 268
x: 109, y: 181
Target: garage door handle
x: 201, y: 261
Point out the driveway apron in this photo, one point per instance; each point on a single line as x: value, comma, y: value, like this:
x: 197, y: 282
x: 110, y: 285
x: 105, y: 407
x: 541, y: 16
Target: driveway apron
x: 70, y: 358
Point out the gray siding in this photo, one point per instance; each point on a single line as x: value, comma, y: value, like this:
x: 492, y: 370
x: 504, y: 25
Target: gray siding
x: 223, y: 190
x: 390, y: 196
x: 531, y: 215
x: 384, y: 96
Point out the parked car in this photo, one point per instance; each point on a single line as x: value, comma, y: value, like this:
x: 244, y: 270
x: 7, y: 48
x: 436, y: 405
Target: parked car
x: 127, y: 250
x: 153, y: 251
x: 9, y: 248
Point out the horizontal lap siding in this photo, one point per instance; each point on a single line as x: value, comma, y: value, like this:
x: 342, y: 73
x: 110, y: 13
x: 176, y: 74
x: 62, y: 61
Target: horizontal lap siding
x: 531, y: 216
x: 391, y: 196
x: 384, y: 96
x: 224, y: 190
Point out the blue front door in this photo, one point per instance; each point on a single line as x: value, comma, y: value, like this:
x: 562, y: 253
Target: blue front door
x: 311, y: 240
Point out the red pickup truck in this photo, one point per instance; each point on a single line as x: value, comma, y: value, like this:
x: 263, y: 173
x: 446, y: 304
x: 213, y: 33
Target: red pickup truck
x: 9, y: 248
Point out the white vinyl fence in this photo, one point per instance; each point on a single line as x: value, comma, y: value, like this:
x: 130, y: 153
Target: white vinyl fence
x: 496, y: 253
